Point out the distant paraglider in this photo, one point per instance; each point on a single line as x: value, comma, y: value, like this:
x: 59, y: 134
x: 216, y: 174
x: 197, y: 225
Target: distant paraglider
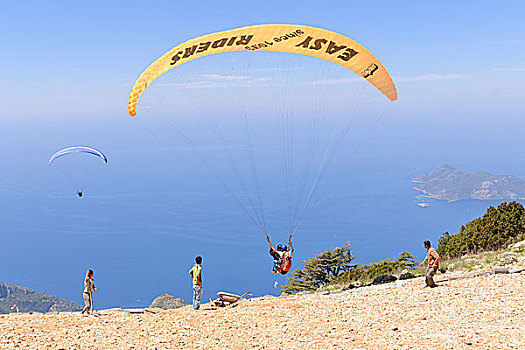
x: 78, y: 149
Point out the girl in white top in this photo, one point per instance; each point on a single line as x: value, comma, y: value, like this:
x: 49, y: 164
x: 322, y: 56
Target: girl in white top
x: 89, y: 287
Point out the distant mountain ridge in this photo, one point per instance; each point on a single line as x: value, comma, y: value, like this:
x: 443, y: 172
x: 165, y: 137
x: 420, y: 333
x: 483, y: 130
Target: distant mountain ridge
x: 28, y: 300
x: 448, y: 183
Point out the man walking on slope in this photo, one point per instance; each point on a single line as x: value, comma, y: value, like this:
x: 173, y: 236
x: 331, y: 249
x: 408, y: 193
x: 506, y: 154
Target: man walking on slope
x: 433, y: 263
x: 196, y: 275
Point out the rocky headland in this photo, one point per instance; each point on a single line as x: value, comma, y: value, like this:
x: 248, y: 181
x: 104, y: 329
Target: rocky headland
x: 448, y: 183
x: 23, y: 299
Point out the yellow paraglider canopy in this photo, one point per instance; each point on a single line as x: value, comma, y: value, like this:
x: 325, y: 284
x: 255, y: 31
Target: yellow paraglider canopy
x: 298, y: 39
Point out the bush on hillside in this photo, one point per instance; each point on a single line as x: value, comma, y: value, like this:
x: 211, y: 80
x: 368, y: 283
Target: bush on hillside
x: 368, y: 272
x: 334, y: 267
x: 496, y: 229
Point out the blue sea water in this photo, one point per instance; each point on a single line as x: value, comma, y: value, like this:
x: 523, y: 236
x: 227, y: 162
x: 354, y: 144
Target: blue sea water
x: 145, y: 217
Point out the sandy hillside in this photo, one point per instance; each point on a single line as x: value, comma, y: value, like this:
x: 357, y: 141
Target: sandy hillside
x: 486, y: 312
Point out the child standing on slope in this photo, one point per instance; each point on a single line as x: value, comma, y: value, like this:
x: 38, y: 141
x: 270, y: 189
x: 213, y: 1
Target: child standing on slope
x: 89, y: 287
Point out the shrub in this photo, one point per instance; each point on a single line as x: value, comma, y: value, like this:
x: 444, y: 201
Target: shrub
x: 496, y: 229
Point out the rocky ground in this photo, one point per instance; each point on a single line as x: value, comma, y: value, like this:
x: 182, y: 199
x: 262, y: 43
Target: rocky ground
x: 484, y: 312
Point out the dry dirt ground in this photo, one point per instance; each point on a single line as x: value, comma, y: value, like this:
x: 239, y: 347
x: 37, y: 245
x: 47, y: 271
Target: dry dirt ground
x: 485, y: 312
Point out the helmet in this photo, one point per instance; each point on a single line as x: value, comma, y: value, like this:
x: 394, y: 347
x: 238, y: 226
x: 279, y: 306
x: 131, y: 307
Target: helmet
x: 282, y: 248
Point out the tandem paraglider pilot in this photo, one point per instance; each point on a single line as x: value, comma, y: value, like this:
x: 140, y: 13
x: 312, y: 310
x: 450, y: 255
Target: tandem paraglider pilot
x: 196, y: 275
x: 282, y: 257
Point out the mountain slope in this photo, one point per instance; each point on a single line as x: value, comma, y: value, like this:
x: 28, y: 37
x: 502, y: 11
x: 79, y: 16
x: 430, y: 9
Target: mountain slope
x: 29, y: 300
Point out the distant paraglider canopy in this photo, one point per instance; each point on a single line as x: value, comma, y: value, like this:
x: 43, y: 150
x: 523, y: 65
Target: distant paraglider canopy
x: 265, y: 76
x: 77, y: 149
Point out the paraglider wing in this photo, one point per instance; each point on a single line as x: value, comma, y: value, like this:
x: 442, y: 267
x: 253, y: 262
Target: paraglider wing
x: 77, y: 149
x: 298, y: 39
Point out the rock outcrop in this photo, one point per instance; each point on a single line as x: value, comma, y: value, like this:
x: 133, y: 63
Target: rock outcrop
x: 384, y: 279
x: 167, y: 302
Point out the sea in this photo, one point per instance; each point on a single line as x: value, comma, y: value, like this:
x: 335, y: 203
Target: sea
x: 145, y: 215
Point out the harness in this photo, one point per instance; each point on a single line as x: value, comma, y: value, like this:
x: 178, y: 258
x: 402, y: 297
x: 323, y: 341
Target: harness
x: 285, y: 264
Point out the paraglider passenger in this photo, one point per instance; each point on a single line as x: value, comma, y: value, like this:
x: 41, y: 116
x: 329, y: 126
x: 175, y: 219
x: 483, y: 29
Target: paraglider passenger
x: 433, y: 263
x: 196, y: 275
x: 282, y: 257
x: 80, y: 193
x: 89, y: 287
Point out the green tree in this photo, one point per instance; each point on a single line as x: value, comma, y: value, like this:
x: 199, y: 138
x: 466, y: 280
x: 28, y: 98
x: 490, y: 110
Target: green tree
x: 320, y: 270
x: 496, y: 229
x: 406, y: 260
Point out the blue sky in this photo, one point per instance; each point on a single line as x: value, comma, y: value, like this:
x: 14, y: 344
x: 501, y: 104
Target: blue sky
x: 68, y: 67
x: 81, y: 58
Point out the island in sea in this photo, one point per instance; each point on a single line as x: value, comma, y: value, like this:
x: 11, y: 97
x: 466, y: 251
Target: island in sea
x: 448, y: 183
